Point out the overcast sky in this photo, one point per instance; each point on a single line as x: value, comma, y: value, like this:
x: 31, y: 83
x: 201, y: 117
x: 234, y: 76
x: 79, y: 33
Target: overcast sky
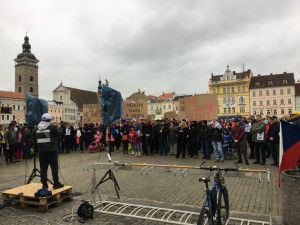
x: 155, y: 45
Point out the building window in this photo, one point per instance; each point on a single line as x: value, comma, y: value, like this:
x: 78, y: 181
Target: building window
x: 20, y: 89
x: 218, y: 91
x: 232, y: 89
x: 31, y: 78
x: 257, y: 84
x: 169, y: 106
x: 270, y: 83
x: 2, y: 117
x: 281, y: 91
x: 24, y: 107
x: 242, y: 109
x: 254, y: 103
x: 20, y: 78
x: 218, y: 110
x: 239, y: 89
x: 177, y: 107
x: 243, y: 88
x: 253, y: 93
x: 31, y: 89
x: 260, y: 93
x: 60, y: 98
x: 233, y: 109
x: 224, y: 90
x: 260, y: 102
x: 241, y: 100
x: 225, y: 110
x: 14, y: 117
x: 164, y: 106
x: 224, y: 100
x: 18, y: 107
x: 51, y: 110
x: 281, y: 102
x: 254, y: 112
x: 261, y: 112
x: 268, y: 102
x: 214, y: 91
x: 274, y: 92
x: 274, y: 102
x: 289, y: 101
x: 156, y: 107
x: 228, y: 90
x: 59, y: 119
x: 282, y: 111
x: 14, y: 107
x: 267, y: 92
x: 284, y: 81
x: 290, y: 111
x: 268, y: 112
x: 289, y: 91
x: 275, y: 111
x: 7, y: 117
x: 229, y: 110
x: 151, y: 106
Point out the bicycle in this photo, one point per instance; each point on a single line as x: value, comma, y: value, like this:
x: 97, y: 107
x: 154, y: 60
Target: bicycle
x: 216, y: 205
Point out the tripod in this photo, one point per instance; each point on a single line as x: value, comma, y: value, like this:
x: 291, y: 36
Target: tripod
x: 34, y: 172
x: 111, y: 176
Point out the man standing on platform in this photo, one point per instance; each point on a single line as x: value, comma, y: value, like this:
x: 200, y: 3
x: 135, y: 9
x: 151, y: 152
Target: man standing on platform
x: 44, y: 137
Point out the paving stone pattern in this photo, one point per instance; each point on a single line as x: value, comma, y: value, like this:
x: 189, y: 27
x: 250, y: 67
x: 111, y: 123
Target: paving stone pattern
x: 246, y: 195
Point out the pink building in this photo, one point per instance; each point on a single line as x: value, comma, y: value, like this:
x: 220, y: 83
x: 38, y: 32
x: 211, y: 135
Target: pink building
x: 272, y: 94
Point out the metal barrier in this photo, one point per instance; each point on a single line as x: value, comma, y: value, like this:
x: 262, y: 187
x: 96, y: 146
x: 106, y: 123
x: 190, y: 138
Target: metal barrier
x: 170, y: 215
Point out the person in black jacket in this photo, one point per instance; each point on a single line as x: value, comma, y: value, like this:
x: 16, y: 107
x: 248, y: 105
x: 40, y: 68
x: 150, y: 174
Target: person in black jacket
x: 147, y: 136
x: 216, y: 135
x: 164, y: 133
x: 155, y: 134
x: 273, y: 134
x: 182, y: 133
x: 205, y: 138
x: 192, y: 138
x: 44, y: 138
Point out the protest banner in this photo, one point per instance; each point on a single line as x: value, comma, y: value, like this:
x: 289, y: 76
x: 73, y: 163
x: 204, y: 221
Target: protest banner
x: 135, y: 110
x: 91, y: 113
x: 5, y: 109
x: 201, y: 107
x: 170, y: 114
x: 182, y: 108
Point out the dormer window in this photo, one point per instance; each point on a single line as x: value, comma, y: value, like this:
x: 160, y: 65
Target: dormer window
x: 284, y: 82
x: 257, y: 84
x: 270, y: 83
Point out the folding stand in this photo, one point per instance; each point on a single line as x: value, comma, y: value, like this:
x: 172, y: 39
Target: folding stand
x: 111, y: 176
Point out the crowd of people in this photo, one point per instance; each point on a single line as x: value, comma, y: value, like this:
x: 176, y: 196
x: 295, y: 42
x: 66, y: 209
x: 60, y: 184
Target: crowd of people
x: 179, y: 138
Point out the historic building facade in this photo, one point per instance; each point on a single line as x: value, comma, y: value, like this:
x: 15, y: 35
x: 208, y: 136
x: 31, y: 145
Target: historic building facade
x: 272, y: 94
x: 233, y: 92
x: 72, y: 101
x: 26, y: 71
x: 297, y: 96
x: 18, y: 104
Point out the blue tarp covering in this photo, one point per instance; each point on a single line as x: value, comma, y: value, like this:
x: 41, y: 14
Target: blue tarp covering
x: 111, y: 105
x: 35, y: 108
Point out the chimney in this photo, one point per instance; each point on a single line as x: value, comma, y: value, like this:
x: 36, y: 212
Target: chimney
x: 258, y: 75
x: 212, y: 75
x: 233, y: 72
x: 163, y: 93
x: 284, y: 73
x: 271, y: 74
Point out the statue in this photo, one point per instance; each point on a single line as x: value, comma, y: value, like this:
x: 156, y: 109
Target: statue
x: 106, y: 82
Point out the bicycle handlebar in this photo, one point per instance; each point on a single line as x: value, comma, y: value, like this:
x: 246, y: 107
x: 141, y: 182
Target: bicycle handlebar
x: 221, y: 169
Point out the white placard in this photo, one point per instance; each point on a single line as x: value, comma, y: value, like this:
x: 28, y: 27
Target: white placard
x: 260, y: 136
x: 247, y: 128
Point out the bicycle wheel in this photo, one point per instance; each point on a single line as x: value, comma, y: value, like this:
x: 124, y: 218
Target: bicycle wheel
x: 205, y: 217
x: 222, y: 206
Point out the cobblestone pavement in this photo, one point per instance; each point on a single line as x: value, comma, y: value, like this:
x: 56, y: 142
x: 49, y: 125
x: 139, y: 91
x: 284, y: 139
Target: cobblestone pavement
x: 246, y: 194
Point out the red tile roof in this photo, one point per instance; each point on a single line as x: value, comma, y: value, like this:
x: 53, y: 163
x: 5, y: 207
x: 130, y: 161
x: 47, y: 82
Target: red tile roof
x: 10, y: 94
x: 165, y: 96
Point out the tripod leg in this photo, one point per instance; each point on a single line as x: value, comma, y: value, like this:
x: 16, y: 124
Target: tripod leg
x: 115, y: 180
x: 102, y: 180
x: 116, y: 185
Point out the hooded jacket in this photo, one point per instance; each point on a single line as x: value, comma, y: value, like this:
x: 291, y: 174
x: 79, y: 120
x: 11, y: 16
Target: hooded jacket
x: 45, y: 136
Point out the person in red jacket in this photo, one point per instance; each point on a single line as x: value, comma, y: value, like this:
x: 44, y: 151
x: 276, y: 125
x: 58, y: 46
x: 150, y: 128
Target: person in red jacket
x: 239, y: 140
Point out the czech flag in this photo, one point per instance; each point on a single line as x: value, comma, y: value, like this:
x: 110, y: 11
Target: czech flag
x: 289, y: 151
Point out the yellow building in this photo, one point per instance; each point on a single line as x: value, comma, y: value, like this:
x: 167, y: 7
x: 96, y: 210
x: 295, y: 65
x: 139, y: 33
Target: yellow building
x: 233, y: 92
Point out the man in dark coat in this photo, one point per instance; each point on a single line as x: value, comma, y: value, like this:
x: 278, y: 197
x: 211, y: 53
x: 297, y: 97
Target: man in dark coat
x: 192, y: 138
x: 44, y: 138
x: 273, y: 134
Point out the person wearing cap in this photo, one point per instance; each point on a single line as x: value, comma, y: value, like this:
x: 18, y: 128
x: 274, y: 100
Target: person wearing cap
x: 295, y: 118
x: 273, y: 134
x: 45, y: 141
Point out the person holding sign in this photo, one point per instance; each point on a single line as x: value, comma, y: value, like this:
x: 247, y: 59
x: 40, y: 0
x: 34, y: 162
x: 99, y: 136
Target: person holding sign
x: 258, y: 137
